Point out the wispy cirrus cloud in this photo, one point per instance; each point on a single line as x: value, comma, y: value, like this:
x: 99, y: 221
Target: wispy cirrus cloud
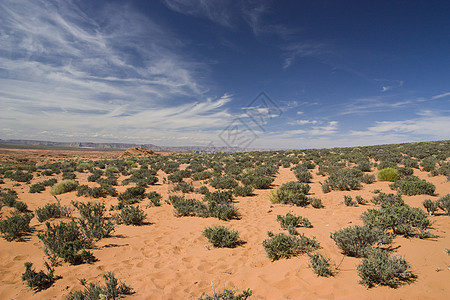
x: 64, y: 69
x: 440, y: 96
x: 373, y: 104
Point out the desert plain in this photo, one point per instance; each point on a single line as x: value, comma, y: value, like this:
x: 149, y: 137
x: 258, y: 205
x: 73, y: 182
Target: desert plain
x: 168, y: 257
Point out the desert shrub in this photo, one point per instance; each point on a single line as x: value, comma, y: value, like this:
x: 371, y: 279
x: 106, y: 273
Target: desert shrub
x: 110, y: 190
x: 227, y: 294
x: 142, y: 177
x: 68, y: 176
x: 221, y: 236
x: 202, y: 175
x: 356, y: 240
x: 410, y: 163
x: 388, y: 174
x: 20, y: 176
x: 93, y: 222
x: 302, y: 173
x: 223, y: 183
x: 132, y: 195
x: 243, y: 191
x: 293, y: 193
x: 219, y: 196
x: 412, y: 185
x: 222, y: 209
x: 364, y: 165
x: 320, y: 264
x: 289, y: 220
x: 37, y: 188
x: 428, y: 164
x: 386, y: 164
x: 38, y: 281
x: 387, y: 199
x: 155, y: 198
x: 203, y: 190
x: 348, y: 201
x: 261, y: 182
x: 444, y: 203
x: 52, y: 210
x: 64, y: 186
x: 83, y: 190
x: 360, y: 200
x: 113, y: 289
x: 368, y: 178
x: 110, y: 180
x: 344, y: 180
x: 381, y: 268
x: 400, y: 219
x: 21, y: 206
x: 47, y: 173
x: 94, y: 177
x: 444, y: 169
x: 9, y: 198
x: 131, y: 215
x: 315, y: 202
x: 14, y: 227
x: 49, y: 182
x: 184, y: 187
x: 97, y: 192
x: 188, y: 207
x: 404, y: 172
x: 66, y: 241
x: 430, y: 206
x: 285, y: 246
x: 293, y: 221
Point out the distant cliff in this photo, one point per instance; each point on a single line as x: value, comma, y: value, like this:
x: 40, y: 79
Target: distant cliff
x: 120, y: 146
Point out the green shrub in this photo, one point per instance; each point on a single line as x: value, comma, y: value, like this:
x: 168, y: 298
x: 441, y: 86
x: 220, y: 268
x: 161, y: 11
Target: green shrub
x: 344, y: 180
x: 387, y: 199
x: 404, y: 172
x: 14, y: 227
x: 52, y: 210
x: 66, y: 241
x: 20, y: 176
x: 293, y: 221
x: 219, y: 196
x: 360, y: 200
x: 315, y: 202
x: 223, y: 210
x: 302, y: 173
x: 286, y: 246
x: 9, y: 198
x: 430, y: 206
x: 64, y: 186
x: 131, y: 215
x: 132, y: 195
x: 381, y: 269
x: 444, y: 203
x: 37, y: 188
x: 410, y: 163
x: 388, y: 174
x: 223, y: 183
x: 38, y: 281
x: 356, y: 240
x: 320, y: 264
x: 221, y: 236
x: 227, y: 294
x: 184, y: 187
x: 428, y: 164
x: 188, y: 207
x: 113, y: 289
x: 348, y: 201
x: 202, y: 190
x: 93, y: 222
x: 368, y: 178
x: 68, y: 176
x: 400, y: 219
x: 293, y: 193
x: 155, y: 198
x: 243, y: 191
x: 257, y: 182
x: 289, y: 220
x: 21, y: 206
x: 412, y: 185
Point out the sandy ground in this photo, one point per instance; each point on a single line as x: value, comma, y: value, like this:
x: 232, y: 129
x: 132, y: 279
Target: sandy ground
x: 168, y: 258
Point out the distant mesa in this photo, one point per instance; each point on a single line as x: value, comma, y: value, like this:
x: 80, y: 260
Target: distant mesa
x: 137, y: 151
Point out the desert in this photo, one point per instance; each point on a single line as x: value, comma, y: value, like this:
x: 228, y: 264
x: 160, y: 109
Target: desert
x: 166, y: 254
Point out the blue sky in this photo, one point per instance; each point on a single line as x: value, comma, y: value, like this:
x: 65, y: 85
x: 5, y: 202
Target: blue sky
x: 258, y: 74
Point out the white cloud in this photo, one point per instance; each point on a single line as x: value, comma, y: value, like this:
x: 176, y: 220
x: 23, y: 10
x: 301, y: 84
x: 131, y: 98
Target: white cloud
x: 373, y: 104
x: 431, y: 126
x: 440, y: 96
x: 299, y: 113
x: 303, y: 122
x: 67, y: 76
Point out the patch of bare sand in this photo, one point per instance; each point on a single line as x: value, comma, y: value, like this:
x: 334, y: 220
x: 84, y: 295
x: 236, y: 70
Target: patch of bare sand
x: 170, y: 259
